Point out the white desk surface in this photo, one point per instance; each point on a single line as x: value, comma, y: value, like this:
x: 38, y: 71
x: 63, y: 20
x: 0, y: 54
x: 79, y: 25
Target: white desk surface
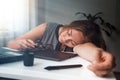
x: 37, y: 72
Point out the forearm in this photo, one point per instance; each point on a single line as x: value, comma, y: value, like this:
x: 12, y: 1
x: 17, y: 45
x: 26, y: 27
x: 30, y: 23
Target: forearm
x: 88, y: 51
x: 13, y: 44
x: 102, y: 62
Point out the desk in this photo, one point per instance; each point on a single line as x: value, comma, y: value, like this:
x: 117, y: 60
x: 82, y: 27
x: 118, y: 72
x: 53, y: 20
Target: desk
x: 37, y: 72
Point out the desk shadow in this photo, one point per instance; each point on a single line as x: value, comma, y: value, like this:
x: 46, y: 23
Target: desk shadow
x: 117, y: 75
x: 110, y: 76
x: 2, y: 78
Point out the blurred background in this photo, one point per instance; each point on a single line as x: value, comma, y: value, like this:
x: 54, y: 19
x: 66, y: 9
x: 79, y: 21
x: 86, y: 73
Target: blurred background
x: 19, y: 16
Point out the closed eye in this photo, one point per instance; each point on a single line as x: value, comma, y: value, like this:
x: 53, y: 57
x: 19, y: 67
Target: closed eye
x: 69, y: 33
x: 72, y: 42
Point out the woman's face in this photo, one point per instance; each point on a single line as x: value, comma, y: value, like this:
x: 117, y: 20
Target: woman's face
x: 71, y: 37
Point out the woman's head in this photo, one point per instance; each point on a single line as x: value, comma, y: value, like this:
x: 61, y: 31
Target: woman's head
x: 70, y: 37
x: 84, y: 31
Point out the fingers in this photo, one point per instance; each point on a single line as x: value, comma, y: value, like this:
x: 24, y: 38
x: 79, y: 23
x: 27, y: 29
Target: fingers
x: 105, y: 66
x: 26, y: 43
x: 100, y: 67
x: 100, y: 73
x: 30, y: 43
x: 109, y: 59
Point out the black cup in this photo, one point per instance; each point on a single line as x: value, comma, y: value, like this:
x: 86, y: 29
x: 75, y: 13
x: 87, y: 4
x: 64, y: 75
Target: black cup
x: 28, y: 58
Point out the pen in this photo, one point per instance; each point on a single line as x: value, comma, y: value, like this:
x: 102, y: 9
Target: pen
x: 62, y: 67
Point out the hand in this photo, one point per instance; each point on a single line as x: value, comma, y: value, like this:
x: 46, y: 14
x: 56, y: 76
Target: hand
x: 24, y: 43
x: 102, y: 61
x: 105, y: 66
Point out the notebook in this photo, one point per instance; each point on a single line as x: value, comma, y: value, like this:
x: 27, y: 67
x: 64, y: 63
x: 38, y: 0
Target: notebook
x: 8, y: 55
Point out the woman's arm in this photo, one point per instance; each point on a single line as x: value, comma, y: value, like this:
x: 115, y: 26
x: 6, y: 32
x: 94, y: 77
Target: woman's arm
x: 27, y: 40
x: 88, y: 51
x: 102, y: 62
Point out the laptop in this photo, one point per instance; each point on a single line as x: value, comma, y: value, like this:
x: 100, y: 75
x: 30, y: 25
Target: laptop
x: 8, y: 55
x: 50, y: 54
x: 54, y: 55
x: 11, y: 55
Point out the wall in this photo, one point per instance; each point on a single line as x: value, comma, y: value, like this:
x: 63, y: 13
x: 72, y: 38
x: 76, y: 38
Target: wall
x: 63, y: 11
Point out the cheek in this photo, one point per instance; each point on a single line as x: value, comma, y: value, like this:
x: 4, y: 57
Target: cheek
x: 60, y: 39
